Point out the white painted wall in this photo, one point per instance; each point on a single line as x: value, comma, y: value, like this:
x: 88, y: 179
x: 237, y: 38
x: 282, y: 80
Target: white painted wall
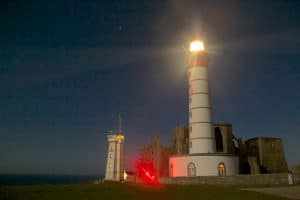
x: 197, y: 72
x: 203, y: 145
x: 206, y: 165
x: 114, y: 165
x: 199, y: 100
x: 199, y: 85
x: 110, y: 162
x: 202, y: 137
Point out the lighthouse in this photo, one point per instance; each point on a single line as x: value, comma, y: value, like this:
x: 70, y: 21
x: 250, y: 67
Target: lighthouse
x: 202, y: 139
x: 203, y: 159
x: 115, y: 155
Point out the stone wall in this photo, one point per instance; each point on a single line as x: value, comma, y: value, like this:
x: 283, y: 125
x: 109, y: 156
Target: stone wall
x: 180, y: 141
x: 226, y: 138
x: 296, y: 178
x: 260, y: 179
x: 269, y: 153
x: 157, y: 155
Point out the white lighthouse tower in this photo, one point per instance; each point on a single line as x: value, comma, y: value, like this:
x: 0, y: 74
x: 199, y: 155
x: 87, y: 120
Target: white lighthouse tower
x: 115, y: 156
x: 203, y: 160
x: 202, y: 139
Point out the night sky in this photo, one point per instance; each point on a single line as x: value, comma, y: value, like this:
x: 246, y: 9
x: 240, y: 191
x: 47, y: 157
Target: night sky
x: 67, y: 68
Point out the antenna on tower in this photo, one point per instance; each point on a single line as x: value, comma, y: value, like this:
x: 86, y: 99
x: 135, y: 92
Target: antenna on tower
x: 120, y: 123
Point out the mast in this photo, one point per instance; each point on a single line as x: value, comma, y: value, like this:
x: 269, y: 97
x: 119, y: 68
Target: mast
x: 120, y: 124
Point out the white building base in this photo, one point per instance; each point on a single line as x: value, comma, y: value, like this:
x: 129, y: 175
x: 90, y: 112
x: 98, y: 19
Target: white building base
x: 217, y: 164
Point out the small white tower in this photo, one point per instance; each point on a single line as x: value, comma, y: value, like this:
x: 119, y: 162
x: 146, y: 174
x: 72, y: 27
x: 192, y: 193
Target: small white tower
x: 115, y: 156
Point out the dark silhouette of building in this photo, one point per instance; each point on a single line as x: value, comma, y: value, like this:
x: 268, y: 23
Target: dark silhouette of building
x: 268, y: 153
x: 225, y: 140
x: 156, y: 154
x: 180, y: 140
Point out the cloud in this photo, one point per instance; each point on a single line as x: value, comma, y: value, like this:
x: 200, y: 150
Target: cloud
x: 35, y: 66
x: 285, y: 42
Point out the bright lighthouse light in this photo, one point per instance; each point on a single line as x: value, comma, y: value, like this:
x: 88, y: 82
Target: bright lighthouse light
x: 196, y: 46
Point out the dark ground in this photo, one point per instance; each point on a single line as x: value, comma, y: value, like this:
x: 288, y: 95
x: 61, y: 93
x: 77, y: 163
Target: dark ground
x: 131, y: 192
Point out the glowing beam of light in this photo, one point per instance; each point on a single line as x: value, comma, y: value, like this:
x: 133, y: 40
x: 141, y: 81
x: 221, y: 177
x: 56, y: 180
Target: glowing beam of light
x: 196, y: 46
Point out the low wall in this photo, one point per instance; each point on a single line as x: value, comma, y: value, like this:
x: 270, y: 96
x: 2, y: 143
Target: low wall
x: 261, y: 179
x: 296, y: 178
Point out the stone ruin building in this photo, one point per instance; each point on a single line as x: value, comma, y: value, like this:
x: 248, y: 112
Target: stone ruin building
x: 258, y: 155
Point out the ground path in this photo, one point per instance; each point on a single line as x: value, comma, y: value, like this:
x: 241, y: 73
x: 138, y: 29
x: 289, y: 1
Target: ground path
x: 292, y: 192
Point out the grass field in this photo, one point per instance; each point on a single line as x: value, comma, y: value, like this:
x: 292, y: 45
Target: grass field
x: 126, y: 191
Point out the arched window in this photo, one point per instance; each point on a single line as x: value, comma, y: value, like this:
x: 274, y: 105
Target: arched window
x: 222, y: 169
x: 191, y: 169
x: 219, y: 140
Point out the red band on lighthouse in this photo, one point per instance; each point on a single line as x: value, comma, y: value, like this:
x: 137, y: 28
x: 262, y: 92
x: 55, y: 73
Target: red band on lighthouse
x: 198, y: 60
